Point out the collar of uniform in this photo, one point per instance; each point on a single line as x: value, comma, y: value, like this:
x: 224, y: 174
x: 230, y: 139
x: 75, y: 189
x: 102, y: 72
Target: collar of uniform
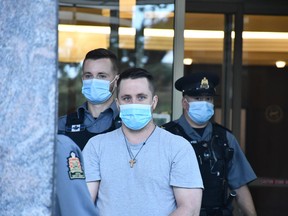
x: 192, y: 133
x: 113, y: 108
x: 83, y: 106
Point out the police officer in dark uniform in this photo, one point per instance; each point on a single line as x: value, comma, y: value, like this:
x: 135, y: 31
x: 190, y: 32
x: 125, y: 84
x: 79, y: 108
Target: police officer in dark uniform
x: 99, y: 114
x: 224, y: 168
x: 72, y: 195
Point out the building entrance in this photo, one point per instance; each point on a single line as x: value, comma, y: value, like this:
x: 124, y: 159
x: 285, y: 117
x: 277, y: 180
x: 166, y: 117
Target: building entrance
x: 253, y: 102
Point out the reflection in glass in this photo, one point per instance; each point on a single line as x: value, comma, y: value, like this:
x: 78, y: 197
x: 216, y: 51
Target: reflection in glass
x: 133, y: 32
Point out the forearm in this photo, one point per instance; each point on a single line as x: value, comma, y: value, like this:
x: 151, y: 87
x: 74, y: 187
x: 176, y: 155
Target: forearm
x: 188, y: 202
x: 185, y: 211
x: 245, y: 202
x: 93, y: 189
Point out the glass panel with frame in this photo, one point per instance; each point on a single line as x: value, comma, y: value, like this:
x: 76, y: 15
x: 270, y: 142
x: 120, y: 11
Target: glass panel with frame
x: 265, y: 44
x: 140, y: 34
x: 203, y: 47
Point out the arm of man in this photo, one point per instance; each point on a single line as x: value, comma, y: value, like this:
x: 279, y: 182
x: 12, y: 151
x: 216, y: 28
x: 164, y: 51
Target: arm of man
x: 245, y: 201
x: 188, y: 201
x: 71, y: 188
x: 93, y: 189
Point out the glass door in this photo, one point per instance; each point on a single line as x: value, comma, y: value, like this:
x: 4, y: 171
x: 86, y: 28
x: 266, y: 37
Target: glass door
x: 265, y: 56
x: 249, y: 52
x: 213, y: 43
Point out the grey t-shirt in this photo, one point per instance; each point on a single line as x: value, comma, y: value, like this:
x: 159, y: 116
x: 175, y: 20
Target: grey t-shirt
x: 165, y: 161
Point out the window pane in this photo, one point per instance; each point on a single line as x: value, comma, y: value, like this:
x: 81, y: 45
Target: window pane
x: 265, y: 41
x: 140, y: 34
x: 204, y: 38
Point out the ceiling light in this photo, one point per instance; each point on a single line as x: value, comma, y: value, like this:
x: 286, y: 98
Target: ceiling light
x: 153, y: 32
x: 84, y: 29
x: 127, y: 31
x: 280, y: 64
x: 150, y: 32
x: 187, y: 61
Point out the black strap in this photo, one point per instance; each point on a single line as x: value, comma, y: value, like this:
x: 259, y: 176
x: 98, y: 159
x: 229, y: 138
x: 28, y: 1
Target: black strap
x: 77, y: 131
x: 75, y: 121
x: 218, y: 136
x: 76, y: 117
x: 175, y: 128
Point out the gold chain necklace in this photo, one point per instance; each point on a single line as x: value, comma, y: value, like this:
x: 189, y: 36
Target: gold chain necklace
x: 132, y: 160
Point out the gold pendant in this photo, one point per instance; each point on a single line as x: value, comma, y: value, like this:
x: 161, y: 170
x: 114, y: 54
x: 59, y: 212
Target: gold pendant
x: 132, y: 162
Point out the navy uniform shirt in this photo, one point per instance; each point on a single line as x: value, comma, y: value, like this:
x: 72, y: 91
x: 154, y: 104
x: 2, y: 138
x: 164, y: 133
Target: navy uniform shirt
x: 239, y: 170
x: 72, y: 195
x: 94, y: 125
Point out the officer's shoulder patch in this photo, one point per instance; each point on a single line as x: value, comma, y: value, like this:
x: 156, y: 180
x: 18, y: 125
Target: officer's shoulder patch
x: 75, y: 170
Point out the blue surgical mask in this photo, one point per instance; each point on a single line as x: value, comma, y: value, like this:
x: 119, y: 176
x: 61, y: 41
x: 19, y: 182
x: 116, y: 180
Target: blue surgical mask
x: 201, y: 111
x: 135, y: 116
x: 96, y: 91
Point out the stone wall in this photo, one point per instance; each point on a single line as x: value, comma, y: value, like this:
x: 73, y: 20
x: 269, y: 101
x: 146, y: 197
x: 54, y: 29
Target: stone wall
x: 28, y: 104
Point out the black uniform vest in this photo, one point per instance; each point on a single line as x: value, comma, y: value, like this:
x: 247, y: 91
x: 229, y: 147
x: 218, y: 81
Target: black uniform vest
x: 76, y: 130
x: 213, y: 157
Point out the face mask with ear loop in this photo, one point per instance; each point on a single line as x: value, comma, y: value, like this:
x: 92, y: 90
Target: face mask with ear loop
x: 200, y: 112
x: 135, y: 116
x: 97, y: 91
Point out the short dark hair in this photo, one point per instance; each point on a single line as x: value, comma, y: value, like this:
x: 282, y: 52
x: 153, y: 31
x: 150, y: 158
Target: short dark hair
x: 135, y: 73
x: 103, y: 53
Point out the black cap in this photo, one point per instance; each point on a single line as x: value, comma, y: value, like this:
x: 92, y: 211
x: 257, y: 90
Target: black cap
x: 198, y: 84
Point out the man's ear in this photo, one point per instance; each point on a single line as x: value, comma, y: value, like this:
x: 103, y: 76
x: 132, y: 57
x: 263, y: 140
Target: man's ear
x: 154, y: 102
x: 185, y: 103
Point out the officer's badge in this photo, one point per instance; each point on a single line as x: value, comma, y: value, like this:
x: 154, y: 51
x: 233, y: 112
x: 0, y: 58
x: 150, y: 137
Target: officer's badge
x: 204, y: 83
x: 75, y: 168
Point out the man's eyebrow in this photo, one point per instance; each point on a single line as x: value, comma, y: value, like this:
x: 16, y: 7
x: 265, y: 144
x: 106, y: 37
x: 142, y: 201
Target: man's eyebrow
x: 101, y: 72
x: 142, y: 94
x: 126, y: 95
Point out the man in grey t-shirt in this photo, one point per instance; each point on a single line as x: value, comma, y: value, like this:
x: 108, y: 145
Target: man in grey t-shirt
x: 141, y: 169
